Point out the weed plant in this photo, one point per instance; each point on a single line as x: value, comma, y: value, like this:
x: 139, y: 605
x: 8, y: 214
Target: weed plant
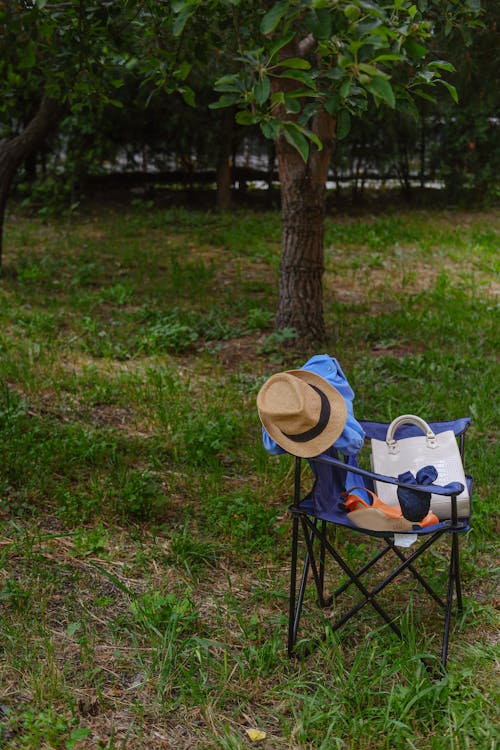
x: 144, y: 532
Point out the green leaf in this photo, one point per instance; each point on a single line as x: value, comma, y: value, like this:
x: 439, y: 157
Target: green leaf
x: 408, y: 107
x: 261, y: 90
x: 307, y: 112
x: 296, y: 139
x: 226, y: 100
x: 270, y: 128
x: 114, y: 102
x: 354, y: 47
x: 345, y: 89
x: 310, y: 135
x: 442, y: 65
x: 297, y: 63
x: 80, y: 733
x: 298, y: 75
x: 371, y: 70
x: 319, y: 23
x: 426, y: 75
x: 424, y: 95
x: 227, y: 83
x: 382, y: 89
x: 387, y: 58
x: 292, y: 106
x: 27, y: 57
x: 343, y: 124
x: 280, y: 44
x: 182, y: 18
x: 244, y: 117
x: 332, y: 104
x: 372, y: 28
x: 183, y: 70
x: 372, y: 8
x: 301, y: 92
x: 335, y: 74
x: 416, y: 50
x: 76, y: 736
x: 73, y: 628
x: 451, y: 89
x: 273, y: 17
x: 188, y: 95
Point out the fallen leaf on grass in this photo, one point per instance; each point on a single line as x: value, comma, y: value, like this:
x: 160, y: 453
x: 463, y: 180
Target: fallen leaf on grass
x: 256, y: 735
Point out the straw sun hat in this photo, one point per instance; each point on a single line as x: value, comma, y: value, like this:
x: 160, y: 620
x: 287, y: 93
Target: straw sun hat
x: 301, y: 412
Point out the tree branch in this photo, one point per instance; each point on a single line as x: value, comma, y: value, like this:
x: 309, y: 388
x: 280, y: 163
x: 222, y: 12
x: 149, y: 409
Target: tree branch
x: 306, y: 45
x: 45, y: 120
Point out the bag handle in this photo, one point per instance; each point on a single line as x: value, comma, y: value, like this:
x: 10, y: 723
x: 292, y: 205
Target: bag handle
x: 392, y: 445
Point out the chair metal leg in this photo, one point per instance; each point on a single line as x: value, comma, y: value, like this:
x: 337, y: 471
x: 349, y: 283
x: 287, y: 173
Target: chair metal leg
x: 295, y: 604
x: 318, y: 575
x: 458, y: 582
x: 322, y: 556
x: 292, y: 617
x: 453, y: 583
x: 296, y: 601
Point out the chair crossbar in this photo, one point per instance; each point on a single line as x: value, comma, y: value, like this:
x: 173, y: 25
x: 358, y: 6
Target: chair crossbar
x: 373, y: 561
x: 426, y: 585
x: 352, y: 575
x: 390, y: 547
x: 312, y: 532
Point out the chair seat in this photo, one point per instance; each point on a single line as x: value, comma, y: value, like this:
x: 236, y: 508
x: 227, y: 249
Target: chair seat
x: 335, y: 514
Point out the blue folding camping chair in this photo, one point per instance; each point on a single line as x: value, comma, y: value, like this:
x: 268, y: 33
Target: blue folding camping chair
x: 322, y: 508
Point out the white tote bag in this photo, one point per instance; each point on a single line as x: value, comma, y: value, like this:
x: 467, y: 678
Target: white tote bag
x: 392, y: 457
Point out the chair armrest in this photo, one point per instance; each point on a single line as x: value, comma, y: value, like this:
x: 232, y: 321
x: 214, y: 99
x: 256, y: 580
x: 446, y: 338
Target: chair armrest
x: 453, y: 489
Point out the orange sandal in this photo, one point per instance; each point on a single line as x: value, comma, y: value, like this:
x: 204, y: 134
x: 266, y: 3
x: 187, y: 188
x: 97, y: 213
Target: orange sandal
x: 353, y: 502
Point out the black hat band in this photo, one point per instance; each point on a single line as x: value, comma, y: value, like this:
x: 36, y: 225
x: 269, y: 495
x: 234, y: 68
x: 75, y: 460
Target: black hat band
x: 313, y: 432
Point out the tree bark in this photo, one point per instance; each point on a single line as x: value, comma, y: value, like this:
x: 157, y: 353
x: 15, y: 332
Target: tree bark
x: 303, y: 197
x: 13, y: 151
x: 224, y: 176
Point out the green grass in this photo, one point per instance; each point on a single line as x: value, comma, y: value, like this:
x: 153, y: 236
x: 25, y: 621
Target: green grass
x: 144, y: 531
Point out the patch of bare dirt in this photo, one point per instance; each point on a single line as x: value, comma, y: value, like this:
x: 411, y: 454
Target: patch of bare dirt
x: 233, y: 353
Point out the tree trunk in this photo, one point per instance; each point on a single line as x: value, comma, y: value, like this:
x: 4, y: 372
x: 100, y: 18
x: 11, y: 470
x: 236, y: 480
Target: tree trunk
x: 423, y: 149
x: 224, y: 176
x: 303, y: 194
x: 13, y: 151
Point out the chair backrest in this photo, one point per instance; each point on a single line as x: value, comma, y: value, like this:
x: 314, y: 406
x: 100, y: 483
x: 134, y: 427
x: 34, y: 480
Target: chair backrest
x: 378, y: 430
x: 331, y: 480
